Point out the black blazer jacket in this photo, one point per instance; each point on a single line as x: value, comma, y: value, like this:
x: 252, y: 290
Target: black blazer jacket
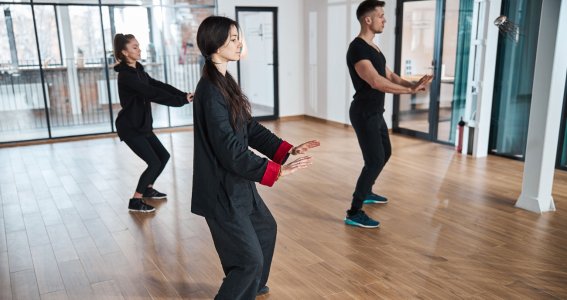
x: 224, y: 168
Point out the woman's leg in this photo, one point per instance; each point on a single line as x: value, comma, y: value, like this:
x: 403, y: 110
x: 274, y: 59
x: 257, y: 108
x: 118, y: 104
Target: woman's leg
x: 161, y: 153
x: 266, y: 230
x: 144, y: 149
x: 240, y: 253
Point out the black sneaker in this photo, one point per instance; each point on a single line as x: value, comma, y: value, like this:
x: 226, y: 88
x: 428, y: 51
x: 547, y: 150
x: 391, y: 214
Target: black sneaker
x: 360, y: 219
x: 138, y: 205
x: 263, y: 291
x: 154, y: 194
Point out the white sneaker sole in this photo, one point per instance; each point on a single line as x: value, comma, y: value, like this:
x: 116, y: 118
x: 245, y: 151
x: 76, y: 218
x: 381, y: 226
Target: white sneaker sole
x: 142, y: 211
x: 155, y: 198
x: 352, y: 223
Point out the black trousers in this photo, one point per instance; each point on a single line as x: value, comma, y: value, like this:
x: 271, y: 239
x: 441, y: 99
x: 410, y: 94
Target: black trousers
x: 150, y: 149
x: 372, y: 133
x: 245, y: 242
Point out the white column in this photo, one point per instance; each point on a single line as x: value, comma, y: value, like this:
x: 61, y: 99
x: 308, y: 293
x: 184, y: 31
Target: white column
x: 68, y: 53
x: 478, y: 113
x: 545, y: 110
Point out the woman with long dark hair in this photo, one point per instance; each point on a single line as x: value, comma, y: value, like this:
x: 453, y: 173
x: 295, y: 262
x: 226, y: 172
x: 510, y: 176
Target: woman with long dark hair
x: 137, y: 90
x: 225, y: 169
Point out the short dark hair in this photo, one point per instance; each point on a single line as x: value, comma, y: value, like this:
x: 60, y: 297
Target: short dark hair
x: 367, y: 6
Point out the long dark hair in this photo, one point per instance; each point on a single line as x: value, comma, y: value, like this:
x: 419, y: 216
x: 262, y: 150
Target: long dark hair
x: 120, y: 42
x: 212, y: 34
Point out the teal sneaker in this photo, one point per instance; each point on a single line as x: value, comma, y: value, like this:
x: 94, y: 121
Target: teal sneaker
x: 375, y: 199
x: 360, y: 219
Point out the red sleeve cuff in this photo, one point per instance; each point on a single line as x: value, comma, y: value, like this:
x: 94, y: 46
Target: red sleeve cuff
x: 271, y: 174
x: 282, y: 152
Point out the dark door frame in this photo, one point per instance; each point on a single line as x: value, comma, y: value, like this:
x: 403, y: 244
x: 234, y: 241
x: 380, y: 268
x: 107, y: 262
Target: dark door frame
x: 561, y: 137
x: 274, y: 11
x: 435, y: 87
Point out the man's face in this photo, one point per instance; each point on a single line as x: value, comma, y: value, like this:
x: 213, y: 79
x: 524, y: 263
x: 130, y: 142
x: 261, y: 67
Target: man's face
x: 376, y: 20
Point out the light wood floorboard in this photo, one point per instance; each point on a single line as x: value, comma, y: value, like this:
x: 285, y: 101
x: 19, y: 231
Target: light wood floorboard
x: 450, y: 231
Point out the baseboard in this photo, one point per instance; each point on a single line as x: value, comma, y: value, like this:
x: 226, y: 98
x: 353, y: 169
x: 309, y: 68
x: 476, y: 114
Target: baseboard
x: 86, y: 137
x: 58, y: 140
x: 292, y: 118
x: 315, y: 119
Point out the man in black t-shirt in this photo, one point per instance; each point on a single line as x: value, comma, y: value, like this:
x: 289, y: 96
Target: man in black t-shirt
x: 371, y: 79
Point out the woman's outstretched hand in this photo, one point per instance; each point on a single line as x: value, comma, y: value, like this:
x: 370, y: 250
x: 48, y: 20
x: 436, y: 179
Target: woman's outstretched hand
x: 301, y: 149
x: 189, y: 97
x: 300, y: 163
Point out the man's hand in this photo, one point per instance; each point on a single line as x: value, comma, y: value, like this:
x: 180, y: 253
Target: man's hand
x: 422, y: 83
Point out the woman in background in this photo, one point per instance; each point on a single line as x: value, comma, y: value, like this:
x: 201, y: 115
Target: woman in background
x: 137, y: 90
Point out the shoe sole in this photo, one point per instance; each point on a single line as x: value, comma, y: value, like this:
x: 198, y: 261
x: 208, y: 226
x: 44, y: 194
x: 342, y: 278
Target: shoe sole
x: 142, y: 211
x: 352, y: 223
x: 264, y: 292
x: 375, y: 202
x: 155, y: 198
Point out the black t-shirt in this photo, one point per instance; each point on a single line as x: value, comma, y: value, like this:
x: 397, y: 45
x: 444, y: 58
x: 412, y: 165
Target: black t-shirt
x: 359, y: 50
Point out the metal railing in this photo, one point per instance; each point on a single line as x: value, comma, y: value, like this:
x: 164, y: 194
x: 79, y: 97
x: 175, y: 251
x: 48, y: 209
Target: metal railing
x: 76, y: 95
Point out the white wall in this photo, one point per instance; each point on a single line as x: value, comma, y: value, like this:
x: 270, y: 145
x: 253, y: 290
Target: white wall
x: 291, y: 49
x: 330, y: 25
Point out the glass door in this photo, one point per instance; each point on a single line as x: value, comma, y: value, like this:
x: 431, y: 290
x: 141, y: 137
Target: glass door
x: 454, y: 67
x: 258, y: 67
x: 513, y: 81
x: 416, y: 59
x: 434, y: 39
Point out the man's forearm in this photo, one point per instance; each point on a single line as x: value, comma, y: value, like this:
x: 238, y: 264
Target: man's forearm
x: 398, y: 80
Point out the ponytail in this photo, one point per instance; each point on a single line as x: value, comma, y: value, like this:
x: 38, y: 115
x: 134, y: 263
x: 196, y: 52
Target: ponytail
x: 119, y: 44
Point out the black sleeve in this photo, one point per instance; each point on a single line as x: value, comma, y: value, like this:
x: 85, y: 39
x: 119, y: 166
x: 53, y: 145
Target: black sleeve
x: 231, y: 154
x: 152, y: 93
x: 165, y: 86
x: 358, y: 52
x: 266, y: 142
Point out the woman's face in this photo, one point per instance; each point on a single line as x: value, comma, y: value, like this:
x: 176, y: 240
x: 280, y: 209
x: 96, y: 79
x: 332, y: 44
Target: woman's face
x: 132, y: 51
x: 232, y: 48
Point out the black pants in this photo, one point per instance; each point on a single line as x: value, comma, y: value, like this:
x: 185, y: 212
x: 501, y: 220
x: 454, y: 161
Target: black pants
x: 150, y: 149
x: 372, y: 134
x: 245, y: 242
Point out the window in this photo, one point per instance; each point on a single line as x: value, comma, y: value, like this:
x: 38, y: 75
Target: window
x: 87, y: 34
x: 47, y: 34
x: 134, y: 20
x: 24, y: 35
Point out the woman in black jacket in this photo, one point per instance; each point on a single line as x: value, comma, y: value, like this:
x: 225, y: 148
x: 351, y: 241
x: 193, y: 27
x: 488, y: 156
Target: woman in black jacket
x: 134, y: 122
x: 225, y: 169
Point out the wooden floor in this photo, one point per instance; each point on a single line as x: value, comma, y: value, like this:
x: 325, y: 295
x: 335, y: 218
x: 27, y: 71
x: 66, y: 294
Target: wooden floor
x: 450, y: 231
